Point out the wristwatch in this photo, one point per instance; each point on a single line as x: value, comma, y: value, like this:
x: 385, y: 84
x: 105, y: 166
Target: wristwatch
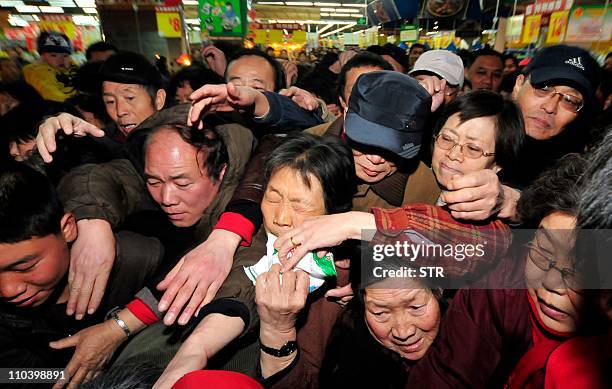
x: 287, y: 349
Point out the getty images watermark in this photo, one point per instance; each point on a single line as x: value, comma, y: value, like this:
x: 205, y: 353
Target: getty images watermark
x: 485, y: 259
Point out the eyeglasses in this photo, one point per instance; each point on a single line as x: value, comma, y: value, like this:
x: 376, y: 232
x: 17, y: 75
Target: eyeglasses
x: 570, y: 278
x: 567, y: 101
x: 445, y: 141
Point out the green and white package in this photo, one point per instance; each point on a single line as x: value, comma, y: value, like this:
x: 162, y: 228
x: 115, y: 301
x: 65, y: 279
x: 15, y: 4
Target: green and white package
x: 318, y: 268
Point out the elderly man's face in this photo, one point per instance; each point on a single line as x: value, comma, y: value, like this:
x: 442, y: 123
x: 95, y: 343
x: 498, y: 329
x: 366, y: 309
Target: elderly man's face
x: 544, y: 116
x: 252, y: 71
x: 130, y: 104
x: 486, y: 73
x: 177, y: 179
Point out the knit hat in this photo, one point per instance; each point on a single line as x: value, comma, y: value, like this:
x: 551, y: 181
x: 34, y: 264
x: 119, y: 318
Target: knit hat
x: 53, y: 42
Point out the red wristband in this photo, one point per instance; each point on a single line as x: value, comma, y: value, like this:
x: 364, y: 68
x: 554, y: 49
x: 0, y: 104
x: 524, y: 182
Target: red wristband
x: 142, y: 312
x: 238, y: 224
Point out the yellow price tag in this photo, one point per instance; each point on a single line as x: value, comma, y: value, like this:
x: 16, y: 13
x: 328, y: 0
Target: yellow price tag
x: 169, y: 24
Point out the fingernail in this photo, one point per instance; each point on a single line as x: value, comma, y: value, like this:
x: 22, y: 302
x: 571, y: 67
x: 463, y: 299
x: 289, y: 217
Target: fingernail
x: 163, y: 306
x: 170, y: 317
x: 182, y: 321
x: 90, y: 311
x: 69, y: 312
x: 79, y: 316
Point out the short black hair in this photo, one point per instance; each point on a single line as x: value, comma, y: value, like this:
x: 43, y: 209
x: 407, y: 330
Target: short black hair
x: 417, y: 46
x: 486, y: 52
x: 555, y: 190
x: 509, y: 124
x: 280, y: 81
x: 195, y: 75
x: 21, y: 123
x: 207, y: 140
x: 99, y: 47
x: 29, y: 205
x: 511, y: 57
x: 327, y: 158
x: 20, y: 91
x: 361, y: 60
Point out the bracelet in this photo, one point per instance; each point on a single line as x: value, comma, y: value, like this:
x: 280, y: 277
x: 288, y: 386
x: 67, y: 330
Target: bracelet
x: 121, y: 324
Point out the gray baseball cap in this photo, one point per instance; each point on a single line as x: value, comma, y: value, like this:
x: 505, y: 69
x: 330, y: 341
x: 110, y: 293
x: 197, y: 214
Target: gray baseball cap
x: 443, y: 63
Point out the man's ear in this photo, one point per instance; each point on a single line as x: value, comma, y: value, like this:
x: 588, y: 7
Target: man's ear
x: 520, y: 80
x: 222, y: 174
x: 69, y: 227
x: 160, y: 99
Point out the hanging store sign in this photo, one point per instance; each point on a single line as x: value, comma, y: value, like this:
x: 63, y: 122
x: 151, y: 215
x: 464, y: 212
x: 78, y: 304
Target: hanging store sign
x: 589, y: 23
x: 225, y: 18
x: 557, y: 26
x: 168, y: 22
x: 531, y: 31
x: 548, y: 6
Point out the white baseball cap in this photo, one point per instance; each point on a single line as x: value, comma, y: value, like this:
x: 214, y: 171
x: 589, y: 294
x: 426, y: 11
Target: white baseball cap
x: 443, y: 63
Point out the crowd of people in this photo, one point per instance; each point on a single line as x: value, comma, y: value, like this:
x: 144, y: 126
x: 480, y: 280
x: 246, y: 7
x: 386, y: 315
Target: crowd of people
x: 225, y: 225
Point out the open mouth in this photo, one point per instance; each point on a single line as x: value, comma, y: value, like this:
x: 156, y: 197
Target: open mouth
x: 127, y: 127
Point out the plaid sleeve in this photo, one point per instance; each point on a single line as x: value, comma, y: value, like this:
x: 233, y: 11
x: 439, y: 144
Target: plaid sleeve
x: 438, y: 226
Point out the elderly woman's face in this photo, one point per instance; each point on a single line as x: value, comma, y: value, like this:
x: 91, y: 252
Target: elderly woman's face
x: 288, y: 200
x: 475, y: 134
x: 403, y: 320
x: 549, y: 273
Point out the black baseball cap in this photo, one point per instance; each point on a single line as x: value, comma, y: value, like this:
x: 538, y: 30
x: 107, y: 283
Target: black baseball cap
x: 53, y: 42
x: 388, y: 110
x: 130, y: 68
x: 565, y: 65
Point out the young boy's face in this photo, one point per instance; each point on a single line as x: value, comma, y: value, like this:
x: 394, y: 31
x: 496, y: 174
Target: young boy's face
x: 31, y: 270
x: 549, y: 274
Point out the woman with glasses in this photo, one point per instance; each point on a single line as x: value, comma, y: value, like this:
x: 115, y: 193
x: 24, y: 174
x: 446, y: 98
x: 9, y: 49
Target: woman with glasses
x: 522, y: 331
x: 479, y: 130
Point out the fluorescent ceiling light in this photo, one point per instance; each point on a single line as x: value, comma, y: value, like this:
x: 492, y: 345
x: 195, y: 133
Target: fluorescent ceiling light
x: 17, y: 21
x: 328, y: 4
x: 328, y: 10
x: 192, y: 21
x: 357, y: 16
x: 305, y: 3
x: 86, y: 3
x: 352, y: 11
x: 340, y: 15
x: 11, y: 3
x: 190, y: 2
x: 338, y: 30
x: 270, y: 3
x: 51, y: 10
x: 355, y: 5
x: 27, y: 9
x: 84, y: 20
x: 325, y: 28
x: 324, y: 14
x: 90, y: 10
x: 61, y: 3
